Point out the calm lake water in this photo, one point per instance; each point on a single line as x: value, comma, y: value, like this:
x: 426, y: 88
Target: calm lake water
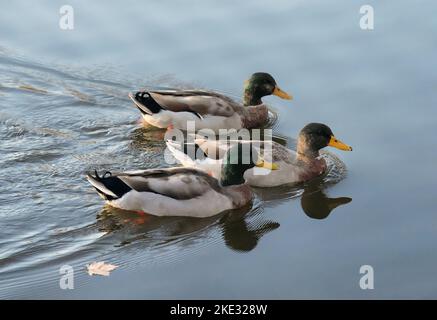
x: 64, y: 110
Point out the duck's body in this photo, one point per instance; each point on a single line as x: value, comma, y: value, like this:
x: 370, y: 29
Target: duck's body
x: 208, y: 109
x: 291, y: 169
x: 292, y: 166
x: 180, y: 191
x: 170, y: 192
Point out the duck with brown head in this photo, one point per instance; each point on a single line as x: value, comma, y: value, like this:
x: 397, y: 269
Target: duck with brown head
x: 312, y: 138
x: 292, y: 166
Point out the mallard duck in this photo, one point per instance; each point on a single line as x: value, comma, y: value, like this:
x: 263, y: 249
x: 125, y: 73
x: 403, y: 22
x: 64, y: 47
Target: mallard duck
x: 180, y: 191
x: 292, y: 166
x: 209, y: 110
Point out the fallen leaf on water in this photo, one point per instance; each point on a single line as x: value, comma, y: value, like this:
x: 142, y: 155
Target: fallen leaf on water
x: 101, y: 268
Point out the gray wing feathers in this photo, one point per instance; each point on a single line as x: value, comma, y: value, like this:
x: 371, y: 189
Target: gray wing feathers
x: 201, y: 102
x: 176, y: 183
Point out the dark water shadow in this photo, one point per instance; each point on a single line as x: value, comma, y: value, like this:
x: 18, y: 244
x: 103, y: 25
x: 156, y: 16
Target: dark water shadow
x: 315, y: 202
x: 240, y: 229
x: 241, y: 233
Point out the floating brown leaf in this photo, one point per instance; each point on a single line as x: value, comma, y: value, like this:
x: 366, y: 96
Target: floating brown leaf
x: 101, y: 268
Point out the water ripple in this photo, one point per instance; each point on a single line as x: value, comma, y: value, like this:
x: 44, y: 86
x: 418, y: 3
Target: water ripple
x: 57, y: 123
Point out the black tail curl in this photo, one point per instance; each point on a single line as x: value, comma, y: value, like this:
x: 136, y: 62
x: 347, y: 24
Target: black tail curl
x: 113, y: 184
x: 148, y: 102
x: 98, y: 178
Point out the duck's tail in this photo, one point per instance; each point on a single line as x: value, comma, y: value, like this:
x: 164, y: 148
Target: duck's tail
x: 178, y: 152
x: 107, y: 186
x: 145, y: 102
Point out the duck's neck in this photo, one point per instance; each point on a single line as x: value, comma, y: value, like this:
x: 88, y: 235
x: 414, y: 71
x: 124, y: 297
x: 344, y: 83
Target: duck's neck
x: 230, y: 178
x: 255, y: 116
x: 311, y: 166
x: 309, y: 160
x: 240, y: 195
x: 305, y: 153
x: 250, y: 98
x: 233, y: 173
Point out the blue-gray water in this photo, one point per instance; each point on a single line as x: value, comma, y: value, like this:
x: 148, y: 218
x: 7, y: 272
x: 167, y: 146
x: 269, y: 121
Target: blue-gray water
x: 64, y: 110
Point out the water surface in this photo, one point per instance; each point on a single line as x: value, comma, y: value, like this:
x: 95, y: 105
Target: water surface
x: 64, y: 110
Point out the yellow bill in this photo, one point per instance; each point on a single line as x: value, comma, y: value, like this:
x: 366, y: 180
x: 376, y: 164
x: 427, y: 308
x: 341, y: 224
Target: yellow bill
x: 267, y: 165
x: 282, y: 94
x: 334, y: 142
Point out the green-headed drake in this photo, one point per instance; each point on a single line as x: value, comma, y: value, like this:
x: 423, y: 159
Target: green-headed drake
x: 208, y: 109
x: 181, y: 191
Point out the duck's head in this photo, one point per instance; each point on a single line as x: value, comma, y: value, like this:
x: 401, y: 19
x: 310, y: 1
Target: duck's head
x: 261, y: 84
x: 315, y: 136
x: 237, y: 160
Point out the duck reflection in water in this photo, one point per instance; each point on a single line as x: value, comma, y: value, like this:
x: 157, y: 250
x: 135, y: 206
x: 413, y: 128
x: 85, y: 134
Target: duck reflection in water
x: 241, y: 232
x: 241, y: 229
x: 314, y: 201
x: 316, y: 204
